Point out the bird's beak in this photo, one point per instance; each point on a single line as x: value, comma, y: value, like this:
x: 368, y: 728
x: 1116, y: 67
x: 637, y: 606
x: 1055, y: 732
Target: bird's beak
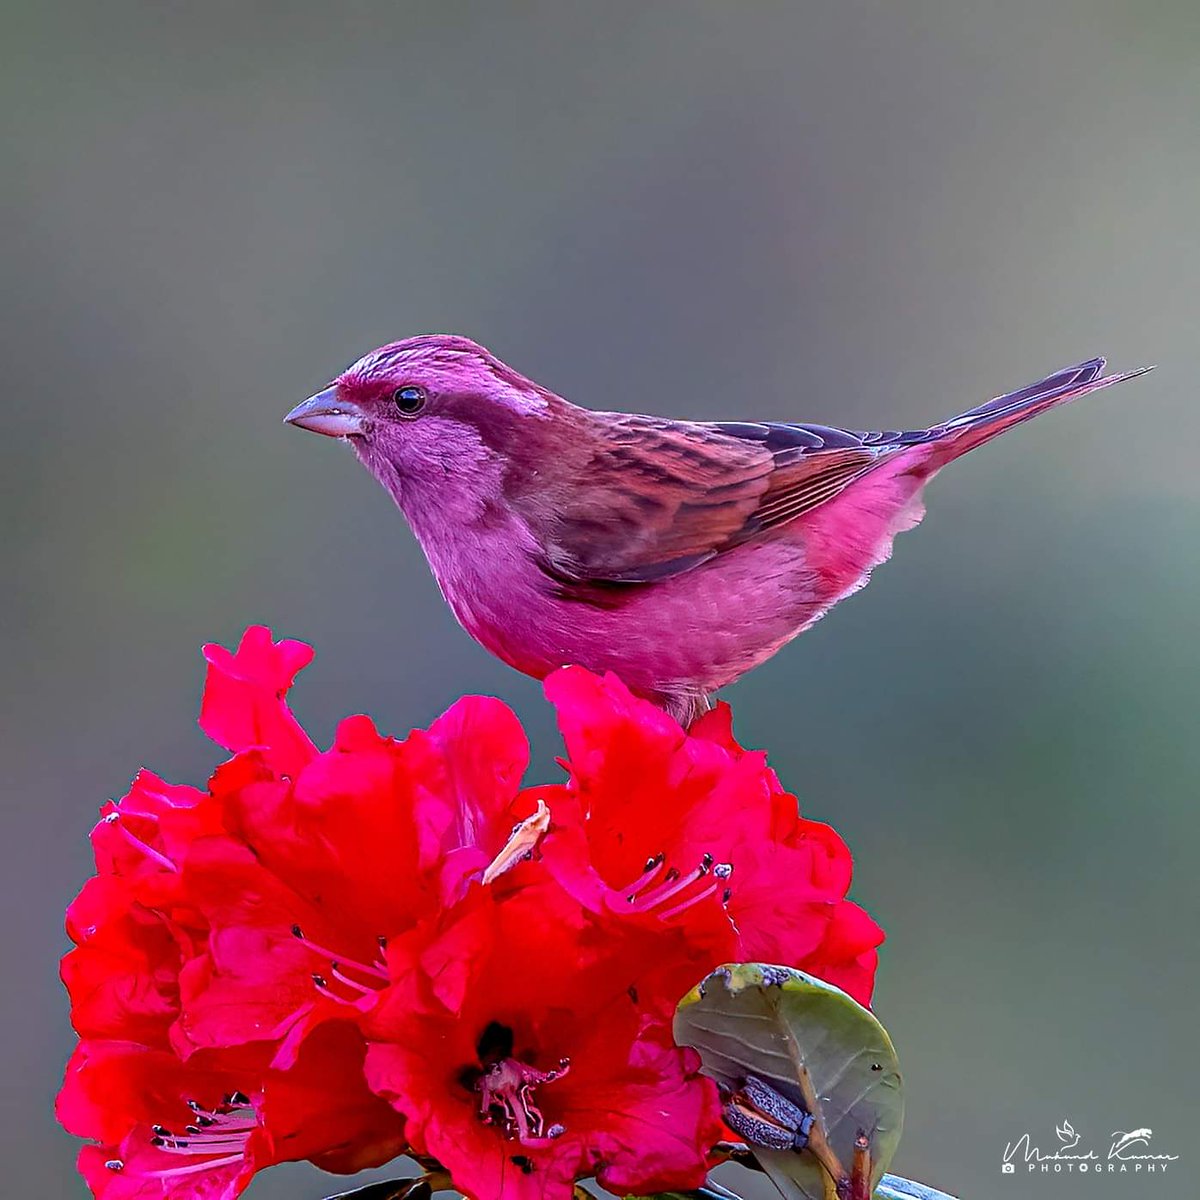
x: 325, y: 413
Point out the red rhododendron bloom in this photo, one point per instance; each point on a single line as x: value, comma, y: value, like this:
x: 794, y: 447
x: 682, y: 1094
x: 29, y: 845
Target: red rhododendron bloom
x: 172, y: 1124
x: 334, y: 955
x: 677, y: 822
x: 534, y: 1048
x: 200, y: 1129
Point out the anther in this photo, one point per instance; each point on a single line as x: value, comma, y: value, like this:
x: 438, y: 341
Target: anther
x: 297, y: 932
x: 239, y: 1099
x: 115, y: 1164
x: 723, y: 870
x: 320, y: 981
x: 556, y: 1130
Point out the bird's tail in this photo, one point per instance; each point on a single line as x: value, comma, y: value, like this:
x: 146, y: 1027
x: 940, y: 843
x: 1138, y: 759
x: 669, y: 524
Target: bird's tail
x: 978, y: 425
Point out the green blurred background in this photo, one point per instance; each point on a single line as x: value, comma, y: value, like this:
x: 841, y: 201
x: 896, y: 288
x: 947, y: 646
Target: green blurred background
x: 865, y: 213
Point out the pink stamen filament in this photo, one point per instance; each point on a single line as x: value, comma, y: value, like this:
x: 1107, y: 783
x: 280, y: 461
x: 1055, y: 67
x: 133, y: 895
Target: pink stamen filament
x: 237, y: 1108
x: 351, y: 983
x: 683, y: 905
x: 215, y: 1129
x: 195, y: 1145
x: 661, y: 895
x: 195, y: 1168
x: 140, y: 846
x: 376, y: 970
x: 643, y: 881
x: 322, y: 986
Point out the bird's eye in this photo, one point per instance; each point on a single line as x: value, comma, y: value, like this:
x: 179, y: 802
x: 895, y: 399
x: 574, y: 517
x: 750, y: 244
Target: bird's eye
x: 409, y: 400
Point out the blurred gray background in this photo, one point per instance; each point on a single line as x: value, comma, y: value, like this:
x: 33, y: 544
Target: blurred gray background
x: 864, y: 213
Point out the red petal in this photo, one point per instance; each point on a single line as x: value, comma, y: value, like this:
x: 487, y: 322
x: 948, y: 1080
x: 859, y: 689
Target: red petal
x: 244, y: 703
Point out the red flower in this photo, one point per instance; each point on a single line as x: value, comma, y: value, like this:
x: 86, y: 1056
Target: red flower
x: 199, y: 1130
x: 133, y: 925
x: 534, y: 1048
x: 324, y: 953
x: 139, y: 929
x: 677, y: 823
x: 326, y: 868
x: 245, y: 705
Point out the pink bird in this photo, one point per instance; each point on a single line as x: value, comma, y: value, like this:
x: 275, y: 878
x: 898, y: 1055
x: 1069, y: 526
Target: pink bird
x: 679, y: 554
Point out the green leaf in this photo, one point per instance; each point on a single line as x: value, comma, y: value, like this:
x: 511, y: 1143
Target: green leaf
x: 816, y: 1046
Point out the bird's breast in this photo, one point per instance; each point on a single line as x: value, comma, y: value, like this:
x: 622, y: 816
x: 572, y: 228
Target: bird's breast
x: 486, y: 568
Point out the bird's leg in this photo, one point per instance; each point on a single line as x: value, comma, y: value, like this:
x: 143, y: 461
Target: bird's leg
x: 685, y: 707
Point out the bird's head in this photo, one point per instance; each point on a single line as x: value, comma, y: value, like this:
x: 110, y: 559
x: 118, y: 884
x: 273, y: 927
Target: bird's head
x: 425, y: 414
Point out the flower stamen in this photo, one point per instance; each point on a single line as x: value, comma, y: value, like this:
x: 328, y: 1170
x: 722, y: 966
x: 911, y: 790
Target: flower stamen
x: 194, y: 1168
x: 506, y: 1094
x: 649, y: 873
x: 684, y: 905
x: 114, y: 818
x: 376, y: 970
x: 216, y: 1137
x: 675, y: 885
x: 322, y: 986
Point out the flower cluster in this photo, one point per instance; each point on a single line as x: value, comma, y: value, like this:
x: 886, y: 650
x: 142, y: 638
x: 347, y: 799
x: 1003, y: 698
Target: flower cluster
x: 393, y: 946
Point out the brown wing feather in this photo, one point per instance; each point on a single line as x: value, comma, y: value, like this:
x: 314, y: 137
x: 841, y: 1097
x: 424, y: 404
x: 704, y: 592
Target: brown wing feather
x: 800, y: 486
x: 651, y: 498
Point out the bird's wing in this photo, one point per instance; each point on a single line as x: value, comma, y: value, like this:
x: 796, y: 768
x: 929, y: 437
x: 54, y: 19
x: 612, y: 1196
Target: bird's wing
x: 654, y: 498
x: 646, y: 498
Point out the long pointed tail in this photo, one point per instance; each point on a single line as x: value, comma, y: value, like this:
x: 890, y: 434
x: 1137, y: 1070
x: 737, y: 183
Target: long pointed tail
x: 955, y: 437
